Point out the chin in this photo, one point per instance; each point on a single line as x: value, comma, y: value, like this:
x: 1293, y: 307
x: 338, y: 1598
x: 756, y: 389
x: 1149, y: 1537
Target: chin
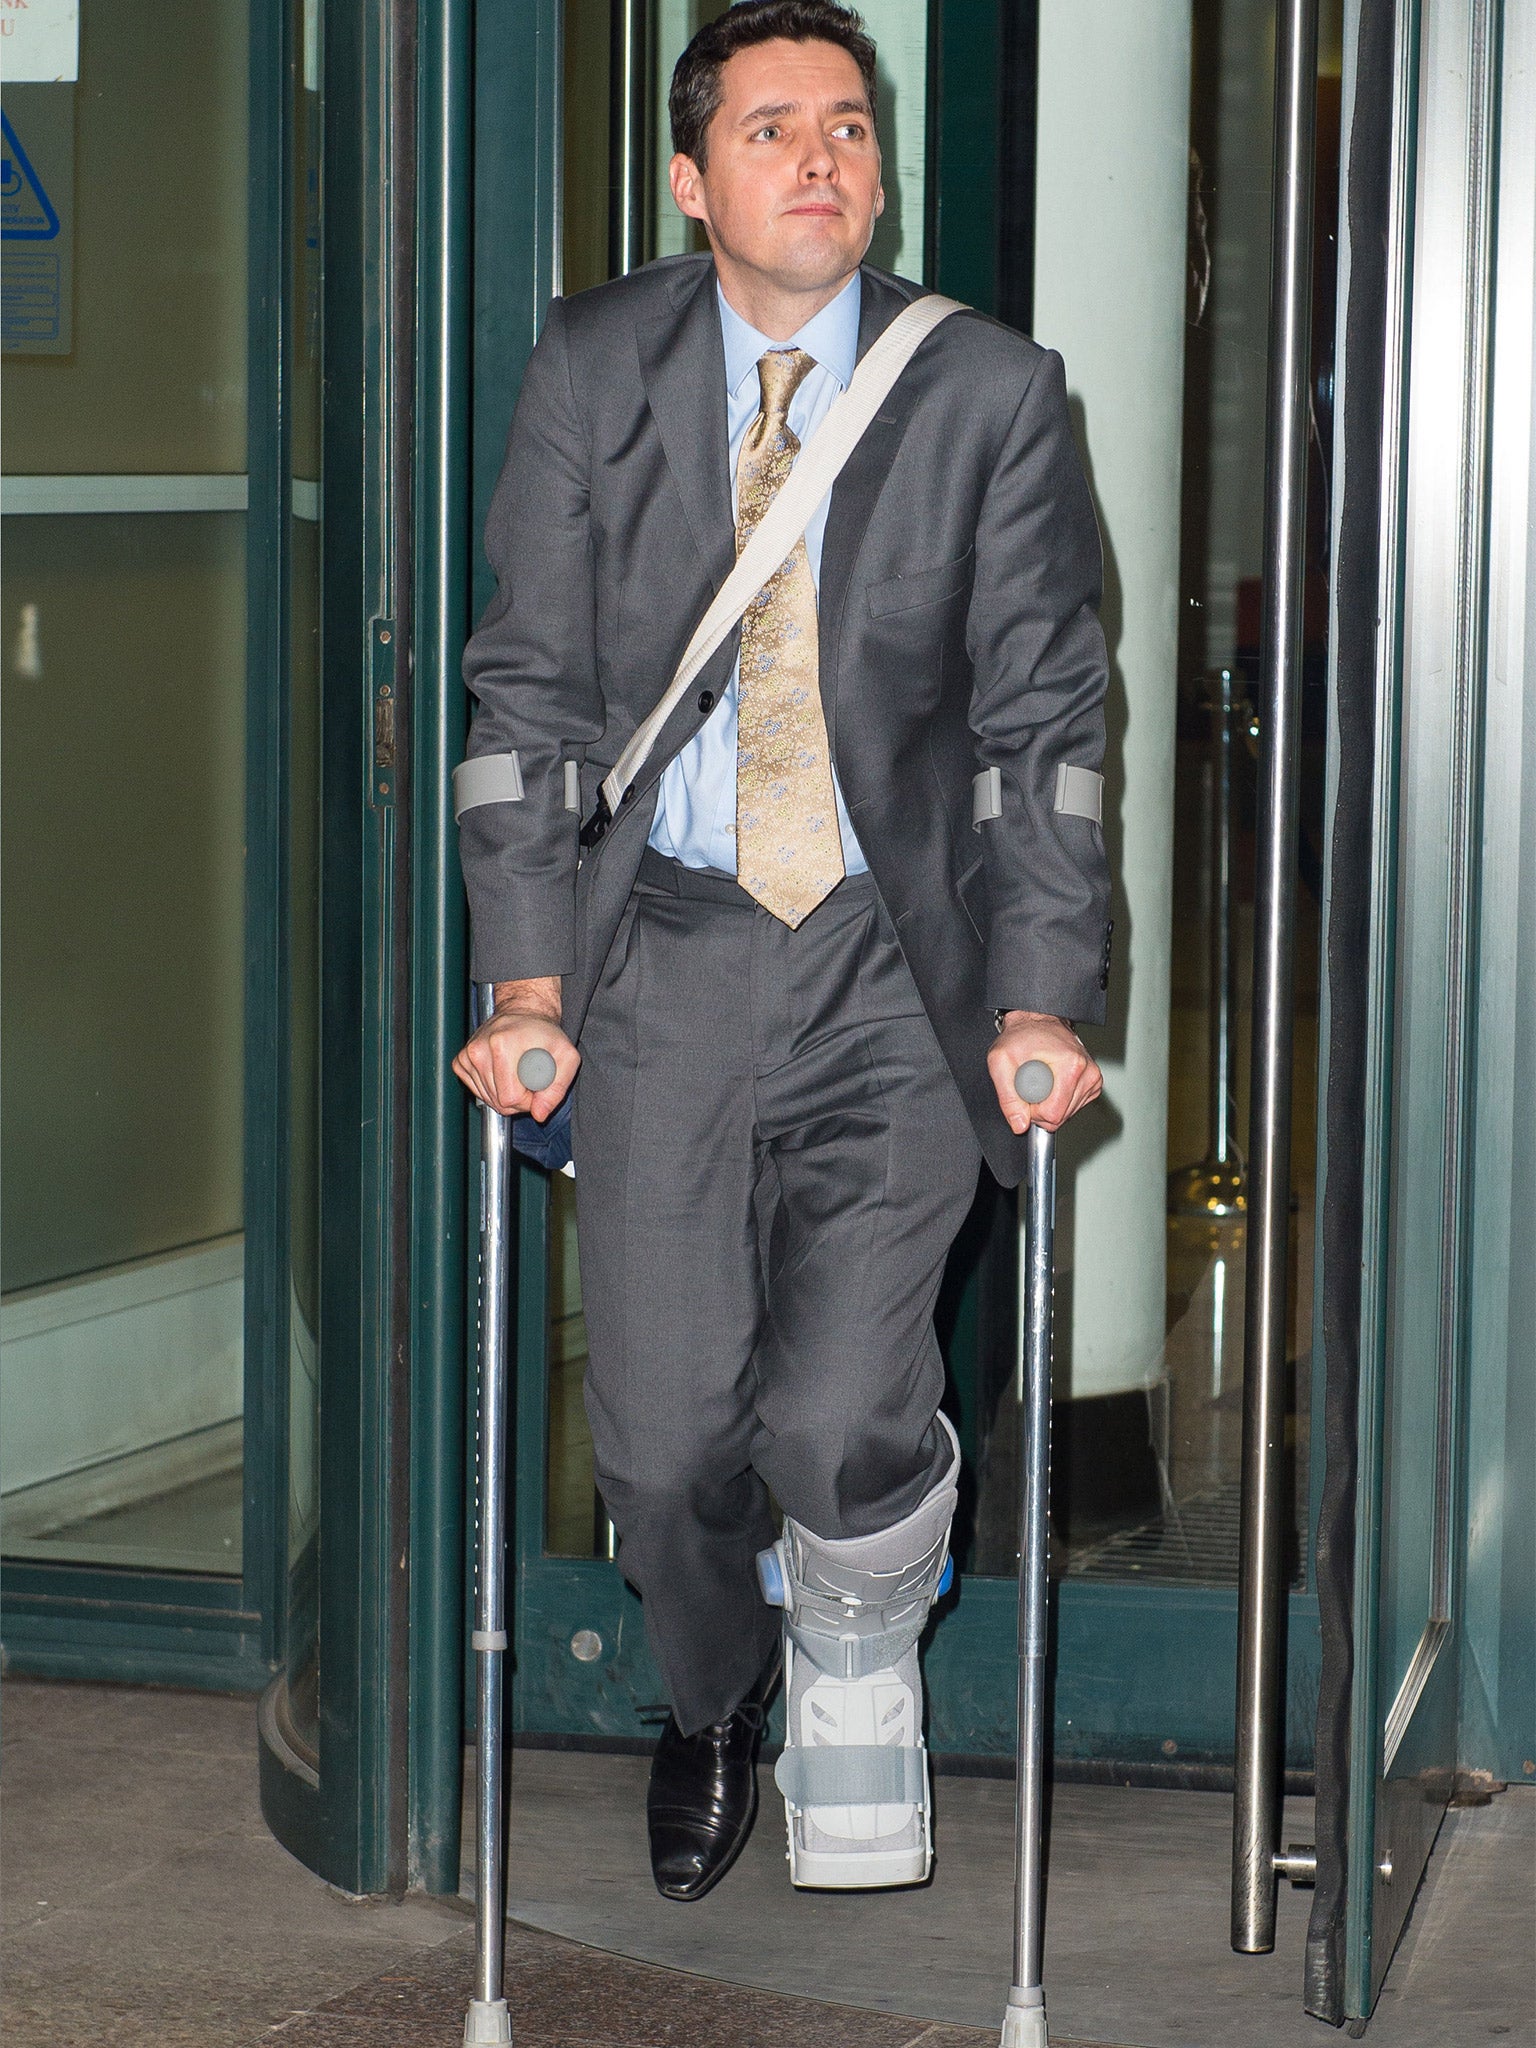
x: 815, y: 263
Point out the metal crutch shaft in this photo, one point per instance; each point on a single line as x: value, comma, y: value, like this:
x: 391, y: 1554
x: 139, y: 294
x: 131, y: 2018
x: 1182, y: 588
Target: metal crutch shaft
x: 488, y: 2023
x: 1024, y: 2024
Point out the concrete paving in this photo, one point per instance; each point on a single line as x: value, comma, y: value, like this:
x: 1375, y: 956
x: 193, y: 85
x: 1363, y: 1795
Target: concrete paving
x: 144, y: 1901
x: 1137, y: 1915
x: 145, y: 1904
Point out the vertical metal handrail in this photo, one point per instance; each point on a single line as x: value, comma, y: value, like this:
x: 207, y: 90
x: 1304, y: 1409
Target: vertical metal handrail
x: 487, y: 2019
x: 1215, y: 1187
x: 629, y: 137
x: 1260, y: 1632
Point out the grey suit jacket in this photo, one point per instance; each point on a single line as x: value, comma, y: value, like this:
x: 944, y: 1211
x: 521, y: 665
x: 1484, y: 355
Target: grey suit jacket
x: 959, y: 580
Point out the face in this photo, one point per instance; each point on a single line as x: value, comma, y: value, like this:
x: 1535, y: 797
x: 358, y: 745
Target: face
x: 791, y: 191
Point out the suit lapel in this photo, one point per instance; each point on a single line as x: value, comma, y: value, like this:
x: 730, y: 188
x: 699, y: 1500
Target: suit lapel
x: 682, y: 363
x: 858, y: 487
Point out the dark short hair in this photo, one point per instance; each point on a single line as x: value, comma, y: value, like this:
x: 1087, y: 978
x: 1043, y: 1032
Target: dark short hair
x: 695, y: 96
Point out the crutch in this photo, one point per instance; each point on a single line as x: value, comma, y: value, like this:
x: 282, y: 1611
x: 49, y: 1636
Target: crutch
x: 488, y: 2024
x: 1024, y: 2024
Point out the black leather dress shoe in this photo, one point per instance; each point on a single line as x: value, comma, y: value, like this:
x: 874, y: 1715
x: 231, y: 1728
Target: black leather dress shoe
x: 703, y: 1796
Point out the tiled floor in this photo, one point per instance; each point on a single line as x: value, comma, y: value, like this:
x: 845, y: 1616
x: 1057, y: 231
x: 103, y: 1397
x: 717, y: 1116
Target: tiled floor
x: 561, y: 1995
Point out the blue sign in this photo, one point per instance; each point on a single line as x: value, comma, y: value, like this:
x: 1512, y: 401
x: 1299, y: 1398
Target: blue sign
x: 26, y: 212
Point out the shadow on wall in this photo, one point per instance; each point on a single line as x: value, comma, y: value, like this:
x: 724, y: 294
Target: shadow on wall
x: 885, y: 245
x: 1085, y: 1135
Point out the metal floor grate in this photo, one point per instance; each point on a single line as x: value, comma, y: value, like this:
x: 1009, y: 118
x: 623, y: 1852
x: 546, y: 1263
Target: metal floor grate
x: 1192, y: 1542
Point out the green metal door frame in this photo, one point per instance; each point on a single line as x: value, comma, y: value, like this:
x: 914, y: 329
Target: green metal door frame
x: 344, y: 1813
x: 487, y: 114
x: 438, y: 953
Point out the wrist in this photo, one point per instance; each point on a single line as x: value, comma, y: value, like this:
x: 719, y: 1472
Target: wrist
x: 538, y: 997
x: 1003, y: 1019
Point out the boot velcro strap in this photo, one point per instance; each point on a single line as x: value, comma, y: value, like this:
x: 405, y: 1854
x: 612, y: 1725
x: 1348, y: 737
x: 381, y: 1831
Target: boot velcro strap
x: 850, y: 1655
x: 863, y: 1774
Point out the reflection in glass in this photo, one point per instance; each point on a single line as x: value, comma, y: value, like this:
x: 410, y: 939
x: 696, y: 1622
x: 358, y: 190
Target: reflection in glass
x: 124, y: 760
x: 576, y: 1525
x: 121, y: 1352
x: 154, y: 381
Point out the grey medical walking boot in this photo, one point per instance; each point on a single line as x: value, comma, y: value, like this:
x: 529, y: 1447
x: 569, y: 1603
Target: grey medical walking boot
x: 854, y: 1772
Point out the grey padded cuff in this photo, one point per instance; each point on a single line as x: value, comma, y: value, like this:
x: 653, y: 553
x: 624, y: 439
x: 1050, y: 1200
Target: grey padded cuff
x: 863, y: 1774
x: 487, y: 779
x: 986, y: 797
x: 1080, y: 793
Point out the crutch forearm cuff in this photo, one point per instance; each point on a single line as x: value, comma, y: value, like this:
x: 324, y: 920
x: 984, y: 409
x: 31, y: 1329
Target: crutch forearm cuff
x: 487, y: 779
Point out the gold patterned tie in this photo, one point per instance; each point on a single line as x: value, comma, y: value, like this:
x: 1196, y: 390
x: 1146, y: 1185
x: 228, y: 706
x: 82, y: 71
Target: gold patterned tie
x: 788, y: 851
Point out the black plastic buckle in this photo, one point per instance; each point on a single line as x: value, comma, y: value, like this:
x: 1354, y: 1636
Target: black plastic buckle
x: 595, y: 826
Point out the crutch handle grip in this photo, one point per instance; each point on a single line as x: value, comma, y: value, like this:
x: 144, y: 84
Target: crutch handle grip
x: 1033, y: 1082
x: 536, y: 1069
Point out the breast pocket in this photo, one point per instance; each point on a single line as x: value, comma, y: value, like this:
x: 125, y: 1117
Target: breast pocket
x: 917, y: 587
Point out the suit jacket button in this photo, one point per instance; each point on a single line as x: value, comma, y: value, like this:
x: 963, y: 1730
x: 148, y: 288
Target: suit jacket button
x: 706, y: 700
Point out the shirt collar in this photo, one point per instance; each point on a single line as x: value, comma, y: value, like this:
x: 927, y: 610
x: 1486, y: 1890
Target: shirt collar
x: 831, y: 338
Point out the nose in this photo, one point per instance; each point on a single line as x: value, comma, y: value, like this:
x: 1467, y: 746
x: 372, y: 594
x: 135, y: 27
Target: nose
x: 818, y: 165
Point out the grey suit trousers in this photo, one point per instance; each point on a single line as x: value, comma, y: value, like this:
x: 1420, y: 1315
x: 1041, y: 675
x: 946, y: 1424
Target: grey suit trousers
x: 772, y: 1160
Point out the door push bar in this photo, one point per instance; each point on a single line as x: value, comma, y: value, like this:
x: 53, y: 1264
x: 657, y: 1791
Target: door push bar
x: 1256, y: 1859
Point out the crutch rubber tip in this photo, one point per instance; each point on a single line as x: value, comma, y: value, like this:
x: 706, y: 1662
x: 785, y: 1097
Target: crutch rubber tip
x: 1034, y: 1082
x: 1024, y: 2026
x: 488, y: 2024
x: 536, y: 1069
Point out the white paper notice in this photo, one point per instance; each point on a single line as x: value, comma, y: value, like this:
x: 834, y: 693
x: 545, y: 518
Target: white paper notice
x: 39, y: 41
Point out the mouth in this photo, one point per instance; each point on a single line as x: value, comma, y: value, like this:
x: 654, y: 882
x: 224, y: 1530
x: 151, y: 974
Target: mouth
x: 819, y: 210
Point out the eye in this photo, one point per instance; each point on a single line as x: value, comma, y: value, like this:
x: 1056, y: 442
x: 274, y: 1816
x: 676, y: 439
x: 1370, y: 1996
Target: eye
x: 769, y: 133
x: 853, y: 130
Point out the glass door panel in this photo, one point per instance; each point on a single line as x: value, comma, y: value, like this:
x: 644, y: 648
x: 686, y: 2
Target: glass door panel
x: 1434, y: 689
x: 1151, y: 1234
x: 302, y: 494
x: 121, y: 1344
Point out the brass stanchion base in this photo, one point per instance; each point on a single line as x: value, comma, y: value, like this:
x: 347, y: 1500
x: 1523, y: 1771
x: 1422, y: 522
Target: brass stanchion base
x: 1211, y: 1187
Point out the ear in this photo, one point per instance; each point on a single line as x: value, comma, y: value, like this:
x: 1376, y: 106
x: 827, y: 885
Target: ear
x: 687, y: 184
x: 879, y: 201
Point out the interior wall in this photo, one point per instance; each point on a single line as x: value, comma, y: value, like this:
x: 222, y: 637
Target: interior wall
x: 1111, y: 210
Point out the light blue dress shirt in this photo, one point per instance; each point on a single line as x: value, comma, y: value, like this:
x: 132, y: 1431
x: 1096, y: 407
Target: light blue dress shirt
x: 696, y: 808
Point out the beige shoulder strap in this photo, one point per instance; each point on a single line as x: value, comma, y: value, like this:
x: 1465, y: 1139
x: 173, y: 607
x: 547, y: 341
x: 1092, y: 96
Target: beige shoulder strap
x: 816, y: 470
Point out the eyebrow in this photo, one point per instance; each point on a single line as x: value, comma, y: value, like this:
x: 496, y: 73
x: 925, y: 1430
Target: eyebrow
x: 793, y: 107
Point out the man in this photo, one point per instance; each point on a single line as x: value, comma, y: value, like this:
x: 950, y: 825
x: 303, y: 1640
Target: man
x: 796, y: 981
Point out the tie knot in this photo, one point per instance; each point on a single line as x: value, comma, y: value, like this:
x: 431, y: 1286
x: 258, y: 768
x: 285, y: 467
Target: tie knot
x: 781, y: 372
